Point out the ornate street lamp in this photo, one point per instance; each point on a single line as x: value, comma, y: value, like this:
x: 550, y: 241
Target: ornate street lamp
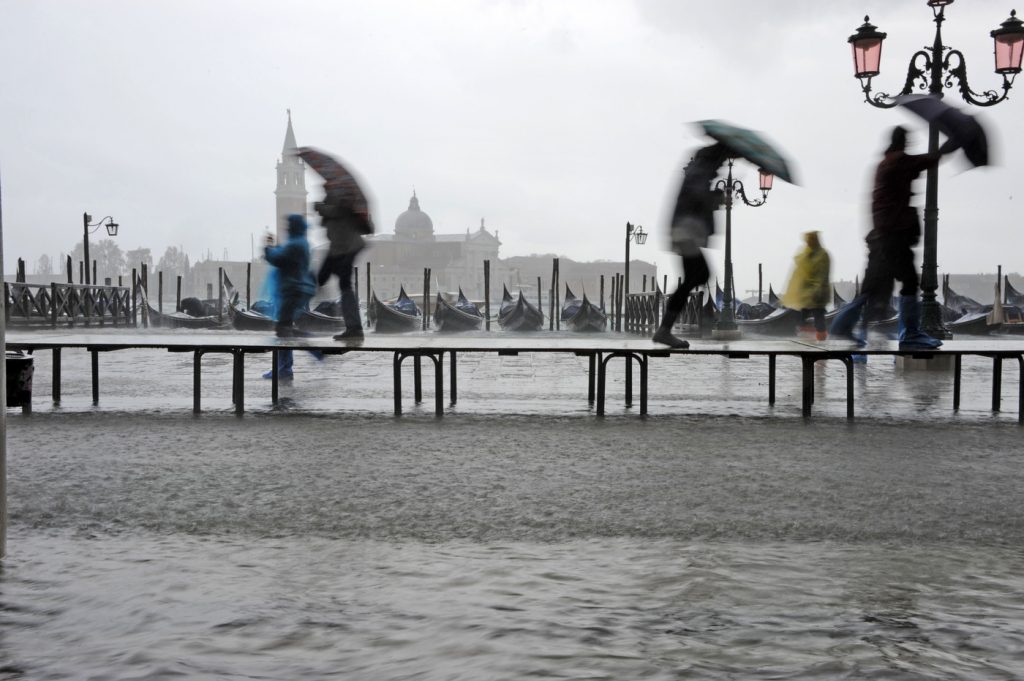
x: 933, y: 69
x: 637, y: 233
x: 107, y: 222
x: 726, y: 326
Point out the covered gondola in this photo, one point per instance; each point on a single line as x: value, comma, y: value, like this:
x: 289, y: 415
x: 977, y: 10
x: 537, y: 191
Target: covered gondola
x: 972, y: 324
x: 395, y: 317
x: 183, y: 320
x: 462, y: 315
x: 579, y: 314
x: 517, y: 314
x: 194, y: 314
x: 781, y: 322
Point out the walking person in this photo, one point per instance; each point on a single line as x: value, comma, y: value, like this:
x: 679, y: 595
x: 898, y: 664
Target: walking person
x: 345, y: 229
x: 809, y: 285
x: 293, y: 287
x: 896, y: 228
x: 693, y: 222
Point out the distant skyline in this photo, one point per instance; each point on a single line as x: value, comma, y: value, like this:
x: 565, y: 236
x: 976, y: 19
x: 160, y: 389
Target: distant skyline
x: 555, y: 121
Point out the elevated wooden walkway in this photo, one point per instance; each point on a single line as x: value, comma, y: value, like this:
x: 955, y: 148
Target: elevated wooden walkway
x: 599, y: 349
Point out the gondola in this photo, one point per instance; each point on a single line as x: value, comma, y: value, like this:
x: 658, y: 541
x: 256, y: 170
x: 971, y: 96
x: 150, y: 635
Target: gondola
x: 781, y: 322
x: 960, y: 304
x: 773, y: 299
x: 973, y: 324
x: 462, y: 315
x: 401, y: 315
x: 203, y: 315
x: 837, y: 300
x: 579, y: 314
x: 249, y: 320
x: 1011, y: 296
x: 517, y: 314
x: 181, y: 320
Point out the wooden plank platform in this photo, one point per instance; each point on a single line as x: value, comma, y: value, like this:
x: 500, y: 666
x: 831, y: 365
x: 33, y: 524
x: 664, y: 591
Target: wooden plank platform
x: 599, y: 349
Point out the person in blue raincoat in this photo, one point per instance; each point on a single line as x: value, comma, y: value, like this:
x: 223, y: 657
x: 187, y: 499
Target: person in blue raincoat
x: 293, y: 284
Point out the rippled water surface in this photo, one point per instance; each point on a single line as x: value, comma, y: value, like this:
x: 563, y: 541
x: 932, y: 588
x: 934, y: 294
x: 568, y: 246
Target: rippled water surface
x: 518, y: 537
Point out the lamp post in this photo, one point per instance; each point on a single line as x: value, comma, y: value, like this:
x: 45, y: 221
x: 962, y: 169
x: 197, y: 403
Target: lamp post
x: 107, y: 222
x: 633, y: 232
x: 726, y: 326
x: 934, y: 69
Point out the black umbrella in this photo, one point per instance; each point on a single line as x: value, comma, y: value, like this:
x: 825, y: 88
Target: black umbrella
x: 962, y: 129
x: 338, y: 180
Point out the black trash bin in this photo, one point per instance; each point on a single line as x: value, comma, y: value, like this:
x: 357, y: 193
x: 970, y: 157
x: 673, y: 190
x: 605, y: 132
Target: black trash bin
x: 19, y: 380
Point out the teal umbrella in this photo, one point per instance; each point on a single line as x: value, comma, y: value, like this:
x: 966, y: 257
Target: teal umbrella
x: 749, y: 145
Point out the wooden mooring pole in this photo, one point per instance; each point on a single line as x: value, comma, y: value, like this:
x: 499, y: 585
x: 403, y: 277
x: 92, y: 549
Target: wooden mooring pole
x: 487, y: 295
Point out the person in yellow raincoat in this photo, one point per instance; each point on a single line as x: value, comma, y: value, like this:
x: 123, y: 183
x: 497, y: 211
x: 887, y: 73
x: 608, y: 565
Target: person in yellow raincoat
x: 809, y: 286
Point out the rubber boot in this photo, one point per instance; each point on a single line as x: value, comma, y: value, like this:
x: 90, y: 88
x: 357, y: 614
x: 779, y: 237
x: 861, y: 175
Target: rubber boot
x: 910, y: 334
x: 664, y: 335
x: 843, y: 323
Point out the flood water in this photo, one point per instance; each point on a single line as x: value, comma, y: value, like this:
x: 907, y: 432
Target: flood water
x: 519, y: 536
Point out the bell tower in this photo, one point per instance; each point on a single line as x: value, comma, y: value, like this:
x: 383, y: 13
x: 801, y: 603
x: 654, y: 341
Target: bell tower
x: 291, y: 183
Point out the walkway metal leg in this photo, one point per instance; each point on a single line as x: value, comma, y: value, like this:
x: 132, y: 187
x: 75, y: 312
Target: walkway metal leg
x: 848, y: 363
x: 439, y: 385
x: 590, y: 378
x: 56, y: 376
x: 1020, y: 391
x: 417, y: 379
x: 629, y: 381
x: 807, y: 394
x: 771, y: 380
x: 273, y: 376
x: 95, y: 377
x: 454, y: 383
x: 643, y: 384
x: 601, y: 369
x: 997, y: 382
x: 196, y: 381
x: 957, y: 365
x: 397, y: 363
x: 240, y: 382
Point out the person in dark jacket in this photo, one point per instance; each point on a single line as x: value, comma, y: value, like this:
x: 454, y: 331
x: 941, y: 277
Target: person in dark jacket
x: 345, y: 228
x: 895, y: 230
x: 693, y: 222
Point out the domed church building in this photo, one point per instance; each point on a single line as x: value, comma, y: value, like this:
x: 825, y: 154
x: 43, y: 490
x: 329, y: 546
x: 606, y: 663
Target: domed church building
x: 454, y: 259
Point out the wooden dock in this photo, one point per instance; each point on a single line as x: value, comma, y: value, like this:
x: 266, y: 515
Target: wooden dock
x: 599, y: 349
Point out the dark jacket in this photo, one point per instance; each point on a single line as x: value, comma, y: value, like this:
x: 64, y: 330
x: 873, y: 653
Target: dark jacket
x: 693, y: 217
x: 892, y: 216
x: 345, y: 227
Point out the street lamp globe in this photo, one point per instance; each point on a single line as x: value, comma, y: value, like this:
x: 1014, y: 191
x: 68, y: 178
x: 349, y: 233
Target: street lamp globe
x: 112, y: 228
x: 765, y: 180
x: 641, y: 236
x: 1009, y: 43
x: 867, y: 50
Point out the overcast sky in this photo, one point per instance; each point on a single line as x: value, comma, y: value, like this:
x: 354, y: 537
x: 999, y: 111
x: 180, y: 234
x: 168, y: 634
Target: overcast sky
x: 555, y: 121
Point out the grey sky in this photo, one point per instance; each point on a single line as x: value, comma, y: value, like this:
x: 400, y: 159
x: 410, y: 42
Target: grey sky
x: 555, y: 121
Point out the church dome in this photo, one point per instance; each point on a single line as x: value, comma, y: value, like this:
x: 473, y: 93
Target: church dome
x: 414, y: 223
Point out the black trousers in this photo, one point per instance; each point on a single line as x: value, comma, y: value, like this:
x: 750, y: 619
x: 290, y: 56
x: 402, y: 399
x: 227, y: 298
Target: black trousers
x: 889, y: 260
x: 819, y: 316
x: 341, y: 266
x: 695, y: 273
